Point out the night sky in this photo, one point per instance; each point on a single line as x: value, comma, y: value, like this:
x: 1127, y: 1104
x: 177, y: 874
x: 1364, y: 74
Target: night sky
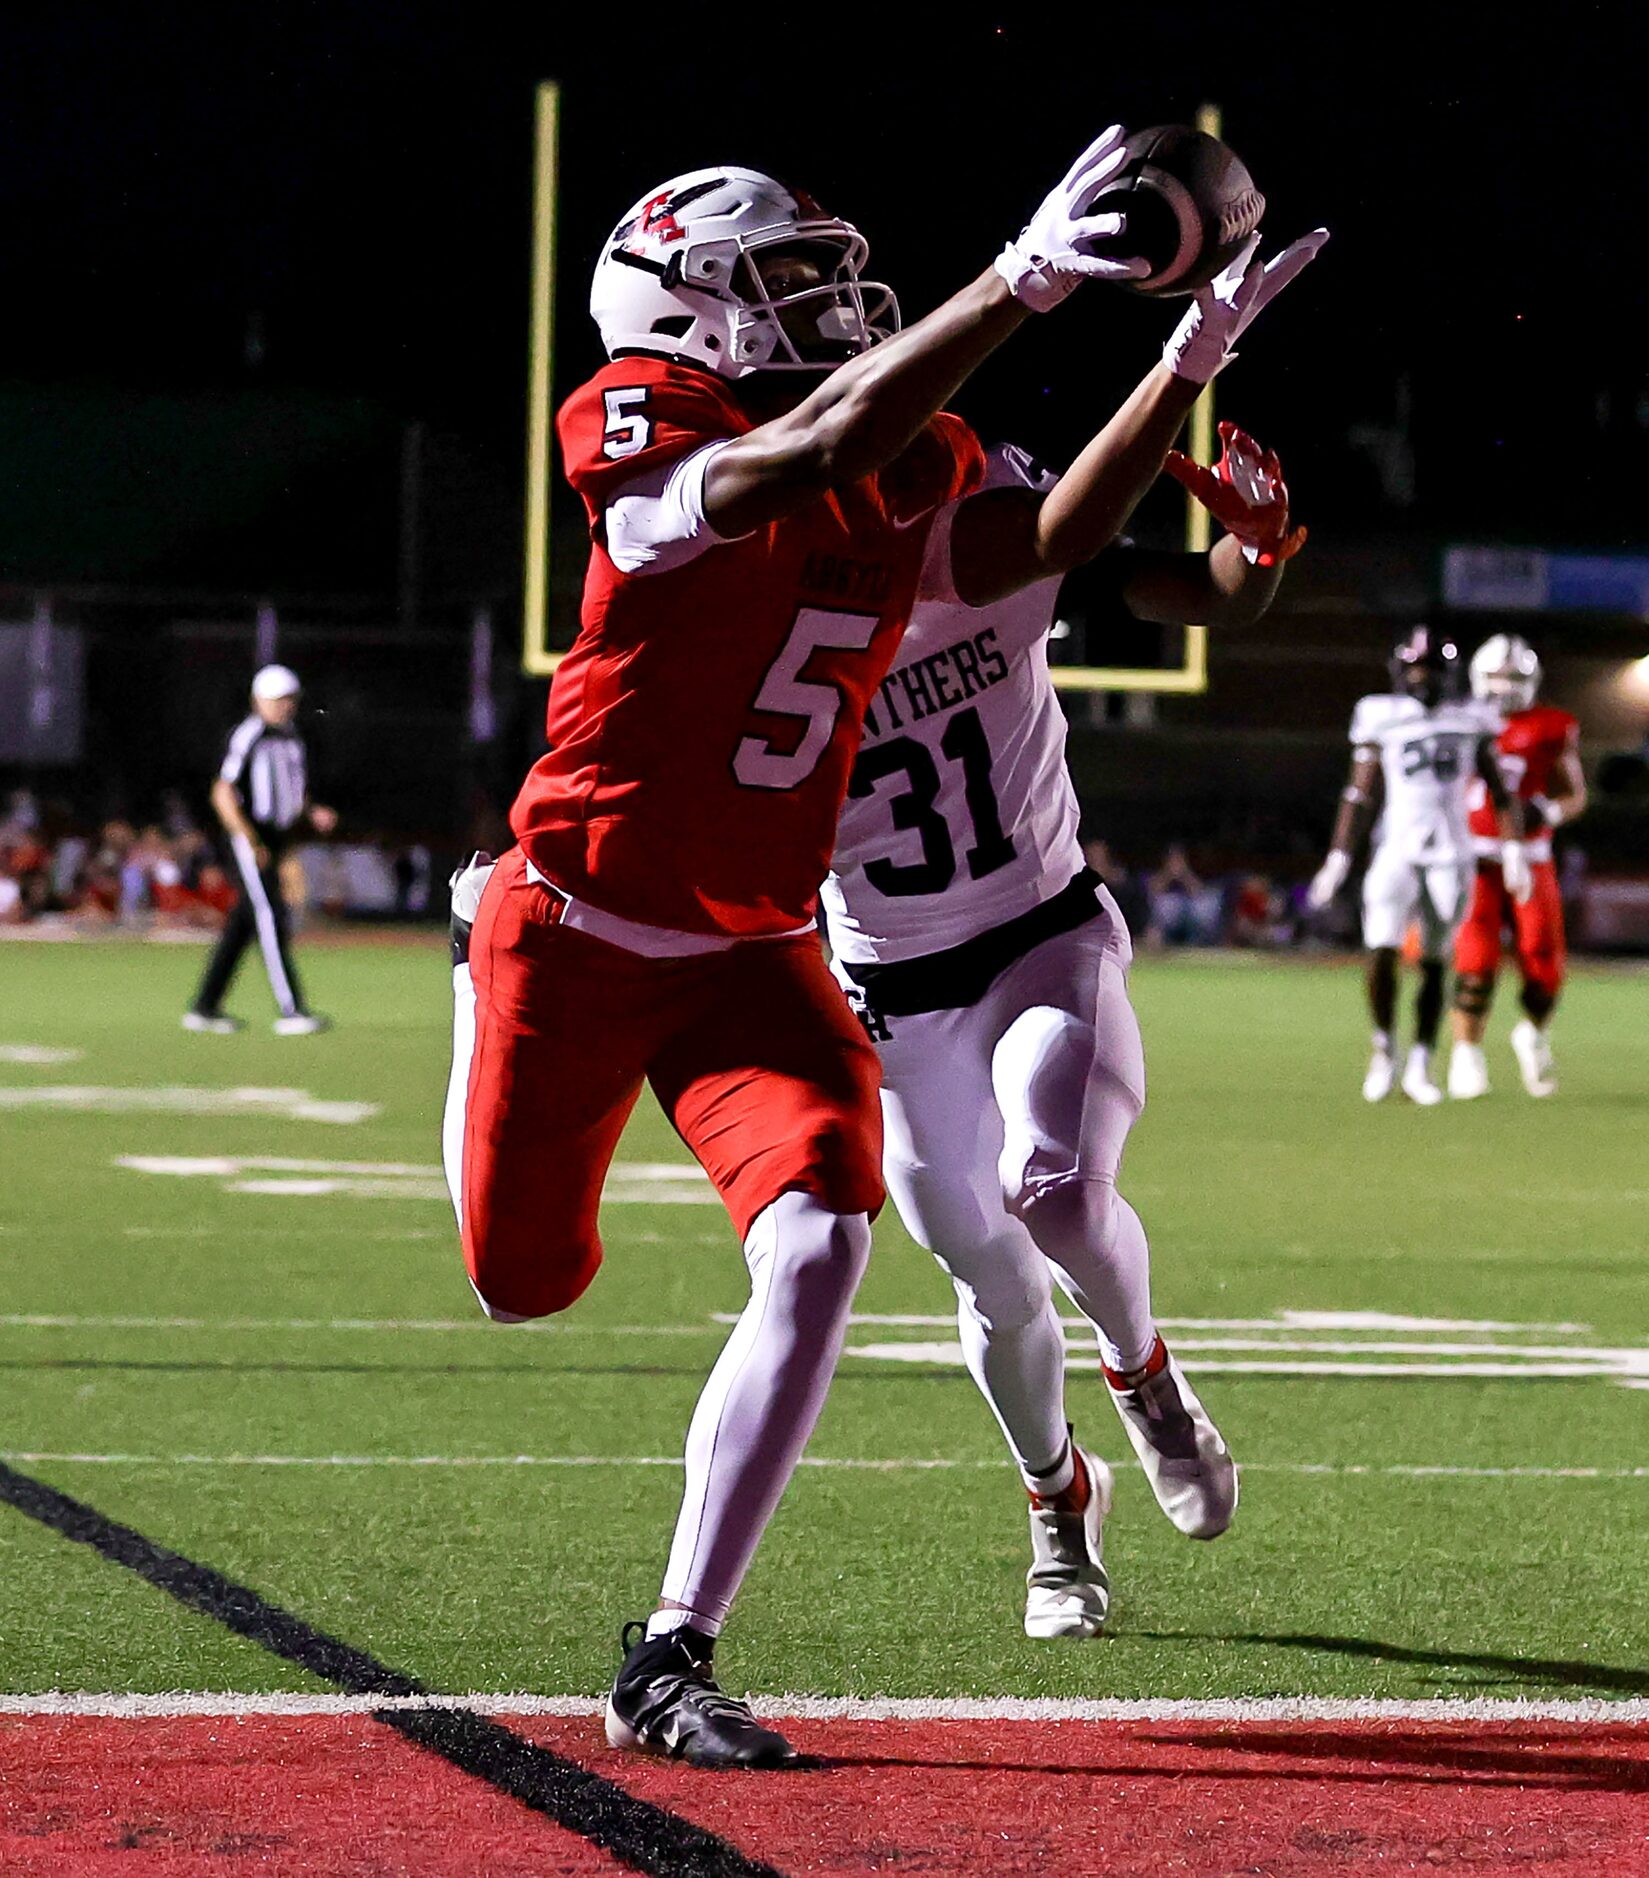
x: 333, y: 201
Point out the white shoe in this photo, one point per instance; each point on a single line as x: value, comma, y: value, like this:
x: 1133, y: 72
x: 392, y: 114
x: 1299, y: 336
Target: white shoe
x: 1417, y: 1083
x: 1067, y: 1593
x: 1187, y: 1463
x: 303, y: 1024
x: 215, y: 1022
x: 1382, y: 1073
x: 1468, y: 1072
x: 1534, y: 1058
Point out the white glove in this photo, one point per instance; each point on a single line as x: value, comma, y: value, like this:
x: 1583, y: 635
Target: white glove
x: 1328, y: 879
x: 1203, y: 340
x: 1514, y: 870
x: 1047, y: 259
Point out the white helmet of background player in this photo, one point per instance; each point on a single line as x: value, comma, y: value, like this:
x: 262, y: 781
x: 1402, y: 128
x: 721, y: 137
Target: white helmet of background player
x: 1506, y: 672
x: 679, y: 277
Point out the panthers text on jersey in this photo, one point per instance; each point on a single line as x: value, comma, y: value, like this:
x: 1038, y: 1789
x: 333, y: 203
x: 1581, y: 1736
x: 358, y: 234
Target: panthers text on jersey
x: 959, y: 814
x: 1530, y: 748
x: 702, y: 727
x: 1428, y: 758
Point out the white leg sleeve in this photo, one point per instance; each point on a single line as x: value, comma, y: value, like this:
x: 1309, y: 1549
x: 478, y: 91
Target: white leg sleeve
x: 764, y: 1395
x: 1020, y: 1370
x: 1071, y: 1084
x: 458, y: 1082
x: 943, y: 1137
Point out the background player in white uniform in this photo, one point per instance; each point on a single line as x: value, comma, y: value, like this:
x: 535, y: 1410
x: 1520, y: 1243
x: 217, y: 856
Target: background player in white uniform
x: 1424, y: 745
x: 990, y: 965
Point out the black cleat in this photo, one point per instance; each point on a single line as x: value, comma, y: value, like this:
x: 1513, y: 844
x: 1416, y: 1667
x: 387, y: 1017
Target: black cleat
x: 665, y: 1701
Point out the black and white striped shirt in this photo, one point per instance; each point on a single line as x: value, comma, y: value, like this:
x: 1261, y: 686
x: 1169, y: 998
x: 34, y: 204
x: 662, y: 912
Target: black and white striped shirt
x: 266, y: 764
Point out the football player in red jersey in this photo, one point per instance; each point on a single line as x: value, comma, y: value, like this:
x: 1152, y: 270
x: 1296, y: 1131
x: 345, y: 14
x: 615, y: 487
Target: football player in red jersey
x: 760, y: 462
x: 1540, y: 758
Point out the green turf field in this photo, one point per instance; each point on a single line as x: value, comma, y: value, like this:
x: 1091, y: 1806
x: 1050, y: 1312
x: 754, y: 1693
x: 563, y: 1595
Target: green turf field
x: 1268, y: 1188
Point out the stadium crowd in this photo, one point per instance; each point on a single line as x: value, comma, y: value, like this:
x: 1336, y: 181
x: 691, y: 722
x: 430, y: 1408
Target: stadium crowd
x: 169, y: 875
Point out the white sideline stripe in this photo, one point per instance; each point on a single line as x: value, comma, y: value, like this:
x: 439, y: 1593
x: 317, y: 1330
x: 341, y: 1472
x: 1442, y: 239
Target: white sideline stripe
x: 857, y: 1708
x: 897, y: 1465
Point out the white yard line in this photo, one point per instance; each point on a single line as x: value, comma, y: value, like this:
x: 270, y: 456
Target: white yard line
x: 43, y: 1320
x: 721, y: 1320
x: 1404, y: 1470
x: 1282, y: 1322
x: 186, y: 1099
x: 213, y: 1165
x: 1600, y: 1365
x: 857, y: 1708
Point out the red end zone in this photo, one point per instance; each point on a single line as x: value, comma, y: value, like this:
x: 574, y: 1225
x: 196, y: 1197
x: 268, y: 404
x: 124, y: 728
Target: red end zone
x: 341, y: 1794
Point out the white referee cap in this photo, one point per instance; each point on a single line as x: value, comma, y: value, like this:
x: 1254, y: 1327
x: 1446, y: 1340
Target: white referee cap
x: 276, y: 681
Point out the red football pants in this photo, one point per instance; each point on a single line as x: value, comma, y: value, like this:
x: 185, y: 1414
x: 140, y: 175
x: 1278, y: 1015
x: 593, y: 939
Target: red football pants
x: 752, y: 1053
x: 1536, y: 926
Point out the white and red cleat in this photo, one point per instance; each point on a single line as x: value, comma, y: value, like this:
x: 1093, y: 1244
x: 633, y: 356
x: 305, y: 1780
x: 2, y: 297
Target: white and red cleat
x: 1184, y: 1457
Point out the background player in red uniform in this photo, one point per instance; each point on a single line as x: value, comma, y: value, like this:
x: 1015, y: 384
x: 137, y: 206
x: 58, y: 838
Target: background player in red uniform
x: 757, y: 531
x: 1540, y: 759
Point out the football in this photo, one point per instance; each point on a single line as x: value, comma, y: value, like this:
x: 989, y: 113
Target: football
x: 1190, y: 204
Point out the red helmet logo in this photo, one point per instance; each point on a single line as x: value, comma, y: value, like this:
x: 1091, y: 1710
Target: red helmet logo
x: 658, y: 220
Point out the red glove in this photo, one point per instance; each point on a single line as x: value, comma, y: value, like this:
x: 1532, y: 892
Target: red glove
x: 1245, y: 493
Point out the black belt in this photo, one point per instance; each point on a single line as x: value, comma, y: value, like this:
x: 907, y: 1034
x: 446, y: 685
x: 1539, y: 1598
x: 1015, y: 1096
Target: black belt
x: 961, y: 975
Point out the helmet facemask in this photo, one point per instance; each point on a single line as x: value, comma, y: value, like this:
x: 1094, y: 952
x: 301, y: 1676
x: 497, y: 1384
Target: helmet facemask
x: 810, y: 327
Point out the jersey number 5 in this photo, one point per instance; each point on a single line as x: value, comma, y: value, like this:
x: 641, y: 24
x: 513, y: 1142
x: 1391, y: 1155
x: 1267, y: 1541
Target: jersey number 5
x: 760, y: 764
x: 627, y: 431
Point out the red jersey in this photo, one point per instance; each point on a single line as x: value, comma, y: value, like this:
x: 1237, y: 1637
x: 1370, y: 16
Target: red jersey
x: 702, y: 728
x: 1530, y: 748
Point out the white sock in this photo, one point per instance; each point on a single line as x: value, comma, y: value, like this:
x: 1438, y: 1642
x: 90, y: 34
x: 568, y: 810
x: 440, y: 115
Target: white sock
x: 661, y: 1623
x: 763, y: 1396
x: 1382, y: 1042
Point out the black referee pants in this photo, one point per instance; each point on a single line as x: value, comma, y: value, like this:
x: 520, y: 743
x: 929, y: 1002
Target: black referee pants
x: 259, y: 915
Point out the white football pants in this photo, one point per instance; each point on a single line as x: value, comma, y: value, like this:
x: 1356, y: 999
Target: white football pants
x: 1397, y: 891
x: 1005, y: 1124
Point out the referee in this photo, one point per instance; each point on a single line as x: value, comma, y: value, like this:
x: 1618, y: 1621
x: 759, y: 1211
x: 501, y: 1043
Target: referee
x: 261, y: 796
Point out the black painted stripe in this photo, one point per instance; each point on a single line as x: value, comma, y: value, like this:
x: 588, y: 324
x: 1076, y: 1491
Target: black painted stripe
x: 641, y: 1835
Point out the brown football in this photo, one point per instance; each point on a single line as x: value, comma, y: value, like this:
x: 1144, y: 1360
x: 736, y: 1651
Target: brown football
x: 1190, y: 204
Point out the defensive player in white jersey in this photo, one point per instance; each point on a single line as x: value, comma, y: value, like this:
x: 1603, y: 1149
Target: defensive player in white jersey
x: 1423, y: 745
x: 990, y: 966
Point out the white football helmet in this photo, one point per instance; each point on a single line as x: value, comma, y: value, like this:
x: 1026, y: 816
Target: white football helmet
x: 678, y: 277
x: 1505, y: 672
